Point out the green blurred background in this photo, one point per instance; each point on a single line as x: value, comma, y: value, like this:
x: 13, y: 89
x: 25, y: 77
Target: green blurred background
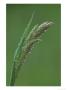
x: 43, y: 66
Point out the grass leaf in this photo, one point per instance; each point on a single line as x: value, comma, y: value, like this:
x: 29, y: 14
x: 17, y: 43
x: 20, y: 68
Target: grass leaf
x: 18, y: 52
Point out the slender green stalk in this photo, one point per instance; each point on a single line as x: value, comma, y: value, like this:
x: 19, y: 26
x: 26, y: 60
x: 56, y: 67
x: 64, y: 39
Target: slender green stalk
x: 18, y: 51
x: 13, y: 75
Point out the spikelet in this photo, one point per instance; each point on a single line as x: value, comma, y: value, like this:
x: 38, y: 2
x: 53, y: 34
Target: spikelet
x: 29, y: 37
x: 26, y: 50
x: 41, y: 29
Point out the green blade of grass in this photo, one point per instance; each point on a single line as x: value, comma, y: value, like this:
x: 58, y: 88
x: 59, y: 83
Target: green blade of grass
x: 21, y: 43
x: 18, y: 51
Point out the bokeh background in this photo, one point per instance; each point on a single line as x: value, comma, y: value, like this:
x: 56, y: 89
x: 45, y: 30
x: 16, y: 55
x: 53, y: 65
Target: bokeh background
x: 43, y: 66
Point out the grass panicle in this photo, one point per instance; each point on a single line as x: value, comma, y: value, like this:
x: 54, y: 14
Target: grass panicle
x: 27, y: 42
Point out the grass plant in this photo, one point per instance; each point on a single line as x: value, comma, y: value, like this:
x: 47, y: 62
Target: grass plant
x: 25, y: 45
